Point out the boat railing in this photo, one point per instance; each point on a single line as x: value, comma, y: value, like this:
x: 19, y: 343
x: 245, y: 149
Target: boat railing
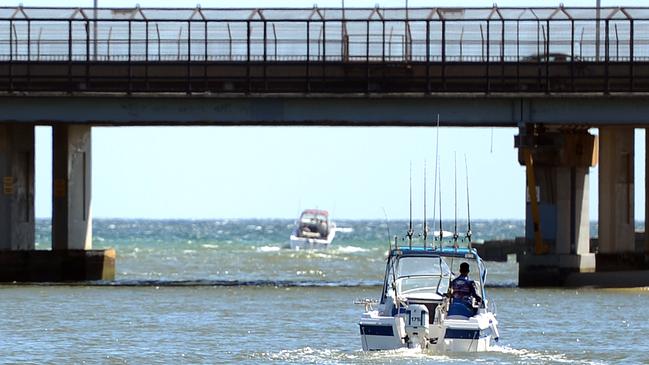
x: 439, y: 241
x: 367, y: 302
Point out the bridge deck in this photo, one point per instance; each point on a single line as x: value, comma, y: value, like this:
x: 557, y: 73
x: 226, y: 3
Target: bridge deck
x: 328, y: 50
x: 325, y: 77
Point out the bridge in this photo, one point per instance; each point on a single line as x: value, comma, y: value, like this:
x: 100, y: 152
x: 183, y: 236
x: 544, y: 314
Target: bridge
x: 552, y: 72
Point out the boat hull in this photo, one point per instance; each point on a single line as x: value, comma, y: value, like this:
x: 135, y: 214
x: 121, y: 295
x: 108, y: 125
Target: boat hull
x: 304, y: 243
x: 474, y: 334
x: 381, y: 333
x: 467, y: 335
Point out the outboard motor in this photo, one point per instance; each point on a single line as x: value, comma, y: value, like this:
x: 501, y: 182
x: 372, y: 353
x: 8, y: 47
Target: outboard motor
x: 417, y: 325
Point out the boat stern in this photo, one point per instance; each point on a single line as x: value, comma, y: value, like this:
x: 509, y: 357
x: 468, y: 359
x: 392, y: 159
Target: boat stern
x: 381, y: 333
x: 467, y: 334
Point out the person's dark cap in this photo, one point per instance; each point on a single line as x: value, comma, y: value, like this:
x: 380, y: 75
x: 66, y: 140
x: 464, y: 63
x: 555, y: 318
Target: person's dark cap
x: 464, y: 267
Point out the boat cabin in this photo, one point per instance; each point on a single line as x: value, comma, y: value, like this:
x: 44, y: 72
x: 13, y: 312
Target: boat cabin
x: 313, y: 223
x: 417, y: 275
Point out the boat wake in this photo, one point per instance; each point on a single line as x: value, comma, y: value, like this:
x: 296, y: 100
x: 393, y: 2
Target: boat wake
x: 306, y: 355
x: 344, y: 229
x: 496, y: 355
x: 409, y: 355
x: 268, y: 249
x: 210, y: 246
x: 310, y: 355
x: 348, y: 249
x: 535, y: 357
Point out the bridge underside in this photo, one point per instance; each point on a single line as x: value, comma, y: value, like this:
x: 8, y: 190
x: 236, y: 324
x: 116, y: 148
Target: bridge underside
x: 461, y: 110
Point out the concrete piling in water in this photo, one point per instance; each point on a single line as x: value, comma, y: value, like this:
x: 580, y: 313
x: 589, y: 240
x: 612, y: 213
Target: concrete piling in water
x: 71, y: 257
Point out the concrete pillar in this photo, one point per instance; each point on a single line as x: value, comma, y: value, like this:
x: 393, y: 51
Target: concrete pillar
x: 563, y: 207
x: 71, y: 188
x: 561, y: 167
x: 573, y: 218
x: 561, y: 162
x: 646, y: 190
x: 17, y: 194
x: 616, y: 195
x: 71, y: 259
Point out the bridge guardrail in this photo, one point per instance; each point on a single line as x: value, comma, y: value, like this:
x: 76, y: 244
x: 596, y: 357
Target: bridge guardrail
x: 370, y: 50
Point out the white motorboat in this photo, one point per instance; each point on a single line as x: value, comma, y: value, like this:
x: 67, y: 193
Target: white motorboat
x: 416, y: 310
x: 424, y: 304
x: 314, y: 230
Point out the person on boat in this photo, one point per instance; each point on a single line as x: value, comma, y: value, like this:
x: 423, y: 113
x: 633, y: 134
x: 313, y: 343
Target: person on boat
x: 463, y: 289
x: 322, y: 229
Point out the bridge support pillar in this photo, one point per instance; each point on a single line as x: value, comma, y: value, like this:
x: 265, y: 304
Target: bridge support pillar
x: 71, y: 258
x: 646, y: 189
x: 71, y: 188
x: 618, y: 251
x: 17, y: 190
x: 560, y: 162
x: 616, y: 195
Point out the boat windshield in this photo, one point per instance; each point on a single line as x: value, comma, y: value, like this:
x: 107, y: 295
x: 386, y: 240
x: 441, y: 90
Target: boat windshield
x: 422, y: 275
x: 476, y: 270
x: 307, y: 218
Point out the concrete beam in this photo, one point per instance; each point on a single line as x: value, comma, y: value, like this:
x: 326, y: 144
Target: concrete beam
x: 553, y: 269
x: 71, y: 187
x: 327, y: 110
x: 616, y: 190
x: 611, y: 279
x: 17, y: 189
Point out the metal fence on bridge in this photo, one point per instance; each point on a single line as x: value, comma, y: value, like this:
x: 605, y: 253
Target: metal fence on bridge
x: 609, y: 43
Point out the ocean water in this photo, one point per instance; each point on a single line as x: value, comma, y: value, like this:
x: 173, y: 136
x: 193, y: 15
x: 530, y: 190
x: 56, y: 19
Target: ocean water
x: 228, y: 291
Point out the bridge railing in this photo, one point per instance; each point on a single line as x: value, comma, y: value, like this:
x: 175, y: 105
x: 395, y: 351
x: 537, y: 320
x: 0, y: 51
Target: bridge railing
x: 603, y: 39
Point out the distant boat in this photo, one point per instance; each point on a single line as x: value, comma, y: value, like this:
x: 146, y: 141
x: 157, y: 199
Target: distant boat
x: 314, y: 230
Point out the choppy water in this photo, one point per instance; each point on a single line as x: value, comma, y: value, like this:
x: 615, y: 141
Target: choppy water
x: 176, y: 300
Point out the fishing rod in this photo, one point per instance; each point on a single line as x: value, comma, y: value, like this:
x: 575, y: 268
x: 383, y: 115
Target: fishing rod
x: 425, y: 222
x: 392, y: 268
x: 435, y: 180
x: 434, y: 202
x: 410, y: 230
x: 468, y: 207
x: 435, y: 183
x: 455, y: 235
x: 441, y: 229
x: 394, y: 283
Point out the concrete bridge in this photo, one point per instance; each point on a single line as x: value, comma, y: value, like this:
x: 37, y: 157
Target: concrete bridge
x: 554, y: 73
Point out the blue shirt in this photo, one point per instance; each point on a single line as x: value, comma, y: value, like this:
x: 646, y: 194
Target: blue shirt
x: 464, y: 289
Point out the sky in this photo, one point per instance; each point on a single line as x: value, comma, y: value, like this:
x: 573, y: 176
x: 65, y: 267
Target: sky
x: 266, y: 172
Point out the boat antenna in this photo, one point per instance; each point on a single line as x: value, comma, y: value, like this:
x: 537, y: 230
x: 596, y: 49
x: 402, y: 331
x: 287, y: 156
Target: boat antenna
x: 468, y: 207
x: 455, y: 235
x: 410, y: 230
x: 425, y: 222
